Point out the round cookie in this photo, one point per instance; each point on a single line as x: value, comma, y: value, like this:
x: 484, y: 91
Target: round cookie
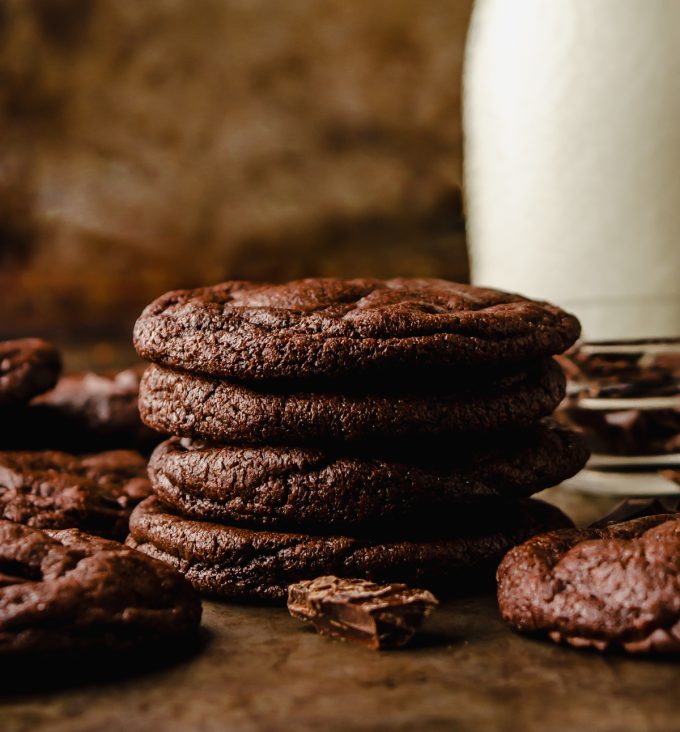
x: 28, y: 366
x: 241, y: 563
x: 86, y: 412
x: 56, y: 490
x: 65, y: 590
x: 331, y: 327
x: 211, y: 409
x: 334, y: 489
x: 610, y: 587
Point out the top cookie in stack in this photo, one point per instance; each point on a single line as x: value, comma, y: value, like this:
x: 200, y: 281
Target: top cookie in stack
x: 331, y: 327
x: 361, y: 407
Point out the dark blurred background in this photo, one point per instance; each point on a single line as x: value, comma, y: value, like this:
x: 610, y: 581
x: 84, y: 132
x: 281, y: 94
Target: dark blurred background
x: 172, y: 143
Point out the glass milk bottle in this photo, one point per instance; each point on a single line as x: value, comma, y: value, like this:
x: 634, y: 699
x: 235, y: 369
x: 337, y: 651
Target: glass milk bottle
x: 572, y: 158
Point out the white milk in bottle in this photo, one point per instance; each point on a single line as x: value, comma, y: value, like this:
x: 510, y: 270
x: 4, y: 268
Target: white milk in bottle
x: 572, y: 158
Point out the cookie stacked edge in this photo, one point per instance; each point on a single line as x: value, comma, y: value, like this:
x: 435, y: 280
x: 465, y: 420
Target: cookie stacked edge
x: 376, y: 428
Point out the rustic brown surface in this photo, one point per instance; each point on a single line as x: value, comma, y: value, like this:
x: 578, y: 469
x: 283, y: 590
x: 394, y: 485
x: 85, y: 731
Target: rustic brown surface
x: 263, y: 670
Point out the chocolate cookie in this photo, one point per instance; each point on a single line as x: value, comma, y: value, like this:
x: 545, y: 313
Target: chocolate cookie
x: 65, y: 590
x: 86, y: 412
x: 334, y: 488
x: 615, y: 586
x: 241, y: 563
x: 332, y: 327
x: 55, y: 490
x: 206, y: 408
x: 28, y: 366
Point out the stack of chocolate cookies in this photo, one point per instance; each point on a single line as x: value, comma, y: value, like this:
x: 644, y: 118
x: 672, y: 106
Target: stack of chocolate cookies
x: 388, y: 430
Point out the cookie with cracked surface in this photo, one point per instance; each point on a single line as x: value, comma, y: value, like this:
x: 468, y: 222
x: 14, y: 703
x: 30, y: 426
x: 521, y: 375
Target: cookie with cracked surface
x: 86, y: 412
x: 55, y: 490
x: 28, y: 366
x: 332, y: 327
x: 612, y: 587
x: 66, y: 590
x: 260, y: 565
x: 202, y: 407
x: 336, y: 488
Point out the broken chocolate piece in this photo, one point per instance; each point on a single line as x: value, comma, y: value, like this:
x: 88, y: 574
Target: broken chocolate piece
x: 626, y: 432
x: 377, y: 616
x: 624, y: 370
x: 634, y: 508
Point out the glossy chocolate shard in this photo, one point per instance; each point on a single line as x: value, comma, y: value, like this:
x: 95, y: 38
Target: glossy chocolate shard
x: 377, y: 616
x: 634, y: 508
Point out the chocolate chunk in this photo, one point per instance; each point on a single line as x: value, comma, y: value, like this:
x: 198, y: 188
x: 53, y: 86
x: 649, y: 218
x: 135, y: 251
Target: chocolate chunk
x: 377, y: 616
x: 634, y: 508
x: 626, y: 432
x: 626, y: 370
